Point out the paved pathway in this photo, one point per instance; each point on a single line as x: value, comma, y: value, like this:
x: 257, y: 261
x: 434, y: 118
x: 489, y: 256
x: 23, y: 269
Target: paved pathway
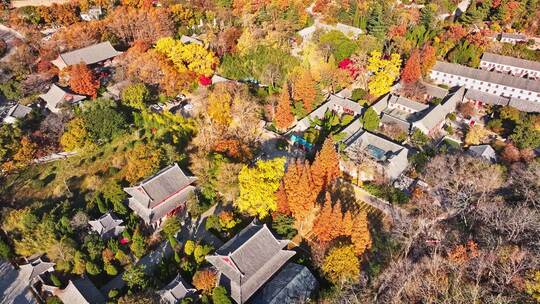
x: 392, y: 211
x: 12, y: 289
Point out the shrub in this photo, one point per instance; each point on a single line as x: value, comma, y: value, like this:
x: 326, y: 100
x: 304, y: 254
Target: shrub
x: 219, y: 296
x: 92, y: 268
x: 358, y: 94
x: 212, y: 223
x: 189, y: 247
x: 55, y: 280
x: 110, y: 269
x: 5, y: 251
x: 113, y: 293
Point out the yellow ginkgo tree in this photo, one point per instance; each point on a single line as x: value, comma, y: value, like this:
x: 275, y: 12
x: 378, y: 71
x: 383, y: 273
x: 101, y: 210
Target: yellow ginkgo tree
x: 187, y: 57
x: 384, y: 72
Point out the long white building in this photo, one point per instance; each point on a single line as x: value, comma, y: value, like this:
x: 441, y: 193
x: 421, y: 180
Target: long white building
x: 521, y: 93
x: 510, y: 65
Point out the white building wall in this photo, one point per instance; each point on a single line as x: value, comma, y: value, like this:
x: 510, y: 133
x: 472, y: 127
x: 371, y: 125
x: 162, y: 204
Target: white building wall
x: 497, y: 89
x: 503, y: 68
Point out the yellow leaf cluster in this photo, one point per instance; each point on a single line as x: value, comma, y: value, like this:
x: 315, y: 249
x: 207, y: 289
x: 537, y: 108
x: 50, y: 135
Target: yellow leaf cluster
x: 187, y: 57
x: 385, y: 72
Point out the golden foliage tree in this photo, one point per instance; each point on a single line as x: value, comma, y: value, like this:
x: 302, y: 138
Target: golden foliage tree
x: 258, y: 186
x: 341, y: 265
x: 190, y: 57
x: 76, y: 136
x: 475, y: 135
x: 141, y: 162
x: 205, y: 280
x: 219, y: 108
x: 385, y: 72
x: 304, y: 89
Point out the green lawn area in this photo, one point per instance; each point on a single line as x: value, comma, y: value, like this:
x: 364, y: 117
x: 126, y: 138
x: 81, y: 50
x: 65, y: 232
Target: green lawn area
x: 68, y: 178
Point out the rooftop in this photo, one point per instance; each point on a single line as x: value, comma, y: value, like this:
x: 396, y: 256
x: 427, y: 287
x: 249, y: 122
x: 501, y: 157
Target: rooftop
x: 293, y: 284
x: 19, y: 111
x: 81, y: 291
x: 57, y: 95
x: 107, y: 224
x: 88, y: 55
x: 249, y: 259
x: 175, y: 291
x: 511, y: 61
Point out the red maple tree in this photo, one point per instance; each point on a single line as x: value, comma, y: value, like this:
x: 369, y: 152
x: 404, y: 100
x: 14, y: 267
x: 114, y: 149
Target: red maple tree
x: 83, y: 81
x: 412, y: 71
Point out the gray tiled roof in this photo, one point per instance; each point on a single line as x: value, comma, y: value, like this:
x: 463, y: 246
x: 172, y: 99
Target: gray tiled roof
x: 19, y: 111
x: 435, y: 91
x: 217, y: 79
x: 524, y: 105
x: 162, y: 185
x: 484, y: 151
x: 393, y: 156
x: 293, y: 284
x: 56, y: 95
x: 34, y: 268
x: 88, y: 55
x: 248, y: 260
x: 175, y: 291
x: 408, y: 103
x: 188, y: 39
x: 388, y: 119
x: 438, y: 113
x: 161, y: 193
x: 487, y: 76
x: 332, y: 102
x: 514, y: 36
x: 81, y: 291
x: 511, y: 61
x: 487, y: 97
x: 107, y: 225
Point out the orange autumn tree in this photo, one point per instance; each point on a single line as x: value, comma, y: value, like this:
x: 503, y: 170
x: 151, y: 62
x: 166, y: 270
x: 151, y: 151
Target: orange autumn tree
x: 82, y: 80
x: 329, y: 224
x: 325, y: 167
x: 429, y: 58
x: 284, y: 117
x: 282, y: 200
x: 205, y: 280
x: 360, y: 235
x: 304, y: 89
x: 299, y: 190
x: 412, y: 71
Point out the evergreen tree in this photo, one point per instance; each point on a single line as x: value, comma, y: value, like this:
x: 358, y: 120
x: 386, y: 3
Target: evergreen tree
x: 375, y: 24
x: 427, y: 16
x: 138, y: 245
x: 102, y: 205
